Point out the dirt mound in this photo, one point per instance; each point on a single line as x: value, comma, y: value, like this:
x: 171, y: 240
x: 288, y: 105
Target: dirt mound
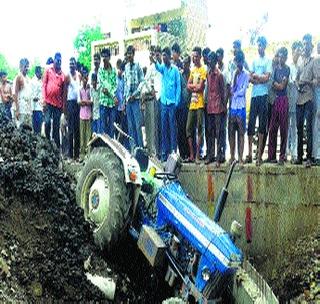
x: 297, y: 275
x: 44, y: 239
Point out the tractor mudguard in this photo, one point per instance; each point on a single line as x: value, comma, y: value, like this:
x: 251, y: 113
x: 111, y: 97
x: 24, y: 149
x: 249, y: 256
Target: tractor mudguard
x: 131, y: 167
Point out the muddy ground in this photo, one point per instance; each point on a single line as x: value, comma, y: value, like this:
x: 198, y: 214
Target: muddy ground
x: 297, y: 275
x: 44, y: 239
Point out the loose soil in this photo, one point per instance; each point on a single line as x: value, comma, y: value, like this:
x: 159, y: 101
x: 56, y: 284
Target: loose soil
x: 297, y: 276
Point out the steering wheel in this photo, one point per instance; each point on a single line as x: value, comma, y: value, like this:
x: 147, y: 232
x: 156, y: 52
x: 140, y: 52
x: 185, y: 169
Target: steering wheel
x: 168, y: 175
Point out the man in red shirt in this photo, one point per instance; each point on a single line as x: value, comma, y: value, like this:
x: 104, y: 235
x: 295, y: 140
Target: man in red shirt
x: 53, y: 93
x: 216, y: 109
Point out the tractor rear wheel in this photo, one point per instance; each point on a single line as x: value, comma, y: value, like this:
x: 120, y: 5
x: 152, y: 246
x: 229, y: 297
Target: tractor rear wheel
x: 104, y: 196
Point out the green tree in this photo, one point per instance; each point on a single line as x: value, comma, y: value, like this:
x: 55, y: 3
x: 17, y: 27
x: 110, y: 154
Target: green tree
x: 82, y: 42
x: 5, y: 66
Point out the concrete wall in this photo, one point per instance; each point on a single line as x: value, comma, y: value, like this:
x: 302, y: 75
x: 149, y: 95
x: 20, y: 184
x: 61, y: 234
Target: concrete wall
x: 284, y: 203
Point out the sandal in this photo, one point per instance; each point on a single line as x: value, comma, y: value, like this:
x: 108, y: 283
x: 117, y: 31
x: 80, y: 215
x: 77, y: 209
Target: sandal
x: 248, y: 160
x: 189, y: 160
x: 258, y: 162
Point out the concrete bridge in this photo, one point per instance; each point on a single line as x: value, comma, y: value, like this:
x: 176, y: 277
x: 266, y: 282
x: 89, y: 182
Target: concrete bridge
x: 275, y: 204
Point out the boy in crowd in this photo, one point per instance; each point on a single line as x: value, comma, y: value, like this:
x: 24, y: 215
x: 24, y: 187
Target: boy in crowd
x: 85, y: 103
x: 37, y: 101
x: 259, y: 77
x: 6, y: 96
x: 279, y: 114
x: 216, y: 108
x: 94, y: 94
x: 237, y: 112
x: 293, y: 97
x: 170, y: 99
x: 196, y: 85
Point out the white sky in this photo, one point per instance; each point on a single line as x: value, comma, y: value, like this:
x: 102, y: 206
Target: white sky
x: 37, y: 29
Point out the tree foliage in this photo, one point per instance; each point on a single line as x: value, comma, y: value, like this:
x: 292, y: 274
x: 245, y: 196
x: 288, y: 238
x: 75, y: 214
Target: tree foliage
x: 82, y: 42
x: 5, y: 66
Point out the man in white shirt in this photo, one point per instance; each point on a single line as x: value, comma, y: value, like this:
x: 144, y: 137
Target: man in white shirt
x: 72, y: 87
x: 293, y: 96
x: 151, y: 91
x: 37, y: 101
x: 22, y: 94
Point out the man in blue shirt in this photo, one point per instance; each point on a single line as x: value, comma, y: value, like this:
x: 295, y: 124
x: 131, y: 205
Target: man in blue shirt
x: 259, y: 77
x: 170, y: 98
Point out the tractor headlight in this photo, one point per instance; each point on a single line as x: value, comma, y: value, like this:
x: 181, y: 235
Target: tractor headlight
x: 205, y: 274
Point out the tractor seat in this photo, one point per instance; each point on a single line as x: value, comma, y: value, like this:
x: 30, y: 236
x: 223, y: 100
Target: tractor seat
x: 142, y: 158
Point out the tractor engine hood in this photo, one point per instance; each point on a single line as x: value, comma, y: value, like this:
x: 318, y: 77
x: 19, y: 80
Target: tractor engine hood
x: 208, y: 238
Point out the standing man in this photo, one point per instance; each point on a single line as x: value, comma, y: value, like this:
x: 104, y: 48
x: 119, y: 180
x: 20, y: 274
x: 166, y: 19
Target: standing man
x: 151, y: 89
x: 53, y: 94
x: 224, y: 71
x: 72, y: 88
x: 107, y: 83
x: 293, y: 97
x: 176, y: 52
x: 133, y: 76
x: 96, y: 65
x: 305, y: 79
x: 279, y: 113
x: 316, y: 123
x: 37, y: 101
x: 237, y: 111
x: 259, y: 77
x: 205, y: 53
x: 23, y: 94
x: 183, y: 108
x: 196, y: 85
x: 232, y: 67
x: 157, y: 115
x: 121, y: 117
x: 170, y: 99
x: 216, y: 109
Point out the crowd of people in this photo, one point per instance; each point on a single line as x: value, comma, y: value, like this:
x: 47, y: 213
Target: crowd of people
x: 180, y: 103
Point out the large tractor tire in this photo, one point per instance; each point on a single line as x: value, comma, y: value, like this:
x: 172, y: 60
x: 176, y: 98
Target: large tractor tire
x: 104, y: 196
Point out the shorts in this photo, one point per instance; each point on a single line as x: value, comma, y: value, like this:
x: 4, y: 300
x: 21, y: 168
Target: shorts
x: 195, y: 121
x: 237, y: 121
x: 258, y: 108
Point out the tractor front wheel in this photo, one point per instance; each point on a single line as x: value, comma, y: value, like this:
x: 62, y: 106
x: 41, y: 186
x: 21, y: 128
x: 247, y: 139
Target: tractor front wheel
x: 104, y: 196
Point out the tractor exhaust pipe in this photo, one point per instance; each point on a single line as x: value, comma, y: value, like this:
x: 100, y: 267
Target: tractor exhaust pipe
x: 223, y: 196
